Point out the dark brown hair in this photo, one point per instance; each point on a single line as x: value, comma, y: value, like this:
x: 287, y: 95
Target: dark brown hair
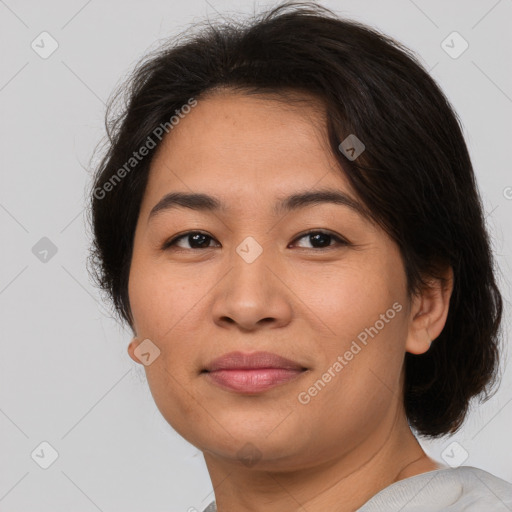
x: 415, y: 176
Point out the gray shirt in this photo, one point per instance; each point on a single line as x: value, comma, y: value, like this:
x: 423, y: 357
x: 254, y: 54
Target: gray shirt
x: 462, y: 489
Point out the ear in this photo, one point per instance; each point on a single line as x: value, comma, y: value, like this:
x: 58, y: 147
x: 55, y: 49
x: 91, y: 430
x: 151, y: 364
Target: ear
x: 429, y: 311
x: 131, y: 349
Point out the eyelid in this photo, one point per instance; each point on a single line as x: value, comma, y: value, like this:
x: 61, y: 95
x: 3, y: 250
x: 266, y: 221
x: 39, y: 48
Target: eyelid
x: 340, y: 240
x: 324, y: 232
x: 172, y: 241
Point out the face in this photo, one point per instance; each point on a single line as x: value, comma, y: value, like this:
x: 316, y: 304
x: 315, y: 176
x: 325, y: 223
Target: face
x: 316, y: 283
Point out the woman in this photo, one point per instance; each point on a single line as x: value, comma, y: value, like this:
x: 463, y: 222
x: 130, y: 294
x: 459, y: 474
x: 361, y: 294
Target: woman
x: 288, y: 220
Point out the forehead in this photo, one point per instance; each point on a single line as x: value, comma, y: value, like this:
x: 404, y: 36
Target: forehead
x: 244, y: 147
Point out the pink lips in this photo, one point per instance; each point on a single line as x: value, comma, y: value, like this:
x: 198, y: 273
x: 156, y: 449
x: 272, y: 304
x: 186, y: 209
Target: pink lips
x: 252, y: 373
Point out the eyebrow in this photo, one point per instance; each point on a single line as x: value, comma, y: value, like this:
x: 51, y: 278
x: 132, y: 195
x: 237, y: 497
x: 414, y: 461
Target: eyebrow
x: 207, y: 203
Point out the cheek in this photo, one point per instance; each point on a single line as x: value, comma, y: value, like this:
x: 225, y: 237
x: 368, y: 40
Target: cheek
x: 362, y: 310
x: 163, y: 310
x: 161, y: 299
x: 348, y: 298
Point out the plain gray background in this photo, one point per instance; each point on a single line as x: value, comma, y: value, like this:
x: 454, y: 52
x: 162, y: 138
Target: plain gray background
x: 65, y: 375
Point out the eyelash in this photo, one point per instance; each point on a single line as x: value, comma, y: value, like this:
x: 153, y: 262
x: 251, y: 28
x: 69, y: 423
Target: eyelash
x: 341, y: 241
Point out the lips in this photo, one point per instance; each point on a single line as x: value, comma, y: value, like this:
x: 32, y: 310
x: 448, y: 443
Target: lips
x: 254, y: 361
x: 252, y: 373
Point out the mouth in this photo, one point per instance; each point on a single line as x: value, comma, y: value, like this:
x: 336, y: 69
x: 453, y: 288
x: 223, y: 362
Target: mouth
x: 252, y: 373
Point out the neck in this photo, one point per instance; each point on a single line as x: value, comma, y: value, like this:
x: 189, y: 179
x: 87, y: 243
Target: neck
x: 343, y: 483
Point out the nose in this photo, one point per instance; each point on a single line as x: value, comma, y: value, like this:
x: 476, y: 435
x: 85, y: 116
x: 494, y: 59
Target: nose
x: 253, y: 295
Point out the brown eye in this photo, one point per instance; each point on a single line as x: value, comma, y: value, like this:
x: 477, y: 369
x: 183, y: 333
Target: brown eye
x: 195, y: 240
x: 321, y: 239
x: 200, y: 240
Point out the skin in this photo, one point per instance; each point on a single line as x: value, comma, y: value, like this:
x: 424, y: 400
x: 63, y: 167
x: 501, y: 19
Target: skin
x: 301, y: 301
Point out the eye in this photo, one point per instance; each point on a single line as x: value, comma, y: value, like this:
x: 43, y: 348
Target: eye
x: 200, y: 240
x: 322, y: 239
x: 195, y: 239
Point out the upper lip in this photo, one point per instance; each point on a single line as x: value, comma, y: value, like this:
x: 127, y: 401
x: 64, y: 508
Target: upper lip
x: 254, y: 360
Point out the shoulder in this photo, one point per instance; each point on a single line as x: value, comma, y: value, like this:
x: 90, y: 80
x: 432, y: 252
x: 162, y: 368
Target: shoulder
x: 465, y: 488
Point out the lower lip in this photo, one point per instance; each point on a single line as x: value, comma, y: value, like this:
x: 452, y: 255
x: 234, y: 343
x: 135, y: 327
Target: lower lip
x: 252, y: 381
